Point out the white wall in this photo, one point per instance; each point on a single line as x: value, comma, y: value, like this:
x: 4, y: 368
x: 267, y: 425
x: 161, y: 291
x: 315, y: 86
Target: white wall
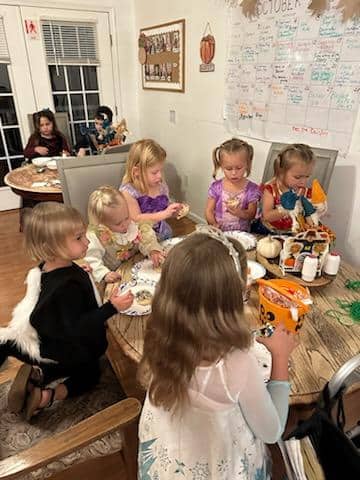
x: 199, y: 124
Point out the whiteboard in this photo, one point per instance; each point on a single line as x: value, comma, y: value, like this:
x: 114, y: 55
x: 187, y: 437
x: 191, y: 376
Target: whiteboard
x: 293, y: 77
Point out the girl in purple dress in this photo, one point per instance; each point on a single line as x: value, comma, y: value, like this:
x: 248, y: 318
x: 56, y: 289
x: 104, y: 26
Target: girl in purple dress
x: 144, y: 188
x: 232, y: 200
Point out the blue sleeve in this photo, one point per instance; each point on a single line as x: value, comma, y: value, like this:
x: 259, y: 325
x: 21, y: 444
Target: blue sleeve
x: 265, y: 408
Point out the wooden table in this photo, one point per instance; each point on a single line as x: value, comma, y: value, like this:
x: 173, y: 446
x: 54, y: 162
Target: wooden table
x: 21, y: 182
x: 325, y: 344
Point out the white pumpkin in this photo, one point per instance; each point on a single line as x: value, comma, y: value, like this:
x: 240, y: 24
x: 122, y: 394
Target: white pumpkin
x: 269, y: 247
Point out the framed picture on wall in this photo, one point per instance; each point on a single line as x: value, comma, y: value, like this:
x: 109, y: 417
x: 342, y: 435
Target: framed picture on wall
x: 163, y: 56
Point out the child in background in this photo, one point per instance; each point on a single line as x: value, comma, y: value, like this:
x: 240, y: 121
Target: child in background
x: 47, y: 140
x: 113, y: 237
x: 60, y: 325
x: 98, y: 137
x: 292, y: 168
x: 232, y: 200
x: 207, y: 405
x: 144, y: 188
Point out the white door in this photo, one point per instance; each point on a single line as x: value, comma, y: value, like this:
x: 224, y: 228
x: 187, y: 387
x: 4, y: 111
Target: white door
x: 14, y: 105
x: 71, y: 63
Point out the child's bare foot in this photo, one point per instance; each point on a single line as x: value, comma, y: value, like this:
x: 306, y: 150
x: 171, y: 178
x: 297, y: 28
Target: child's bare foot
x: 26, y: 378
x: 37, y: 400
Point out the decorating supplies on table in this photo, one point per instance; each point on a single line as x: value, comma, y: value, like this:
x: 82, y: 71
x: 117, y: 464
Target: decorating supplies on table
x: 350, y: 310
x: 283, y: 301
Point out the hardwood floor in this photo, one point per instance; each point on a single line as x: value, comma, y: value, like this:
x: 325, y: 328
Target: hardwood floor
x: 13, y: 268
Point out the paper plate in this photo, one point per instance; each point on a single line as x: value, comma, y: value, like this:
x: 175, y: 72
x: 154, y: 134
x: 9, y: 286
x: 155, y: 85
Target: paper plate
x: 145, y: 271
x: 135, y: 286
x: 171, y: 242
x: 247, y: 240
x: 256, y: 270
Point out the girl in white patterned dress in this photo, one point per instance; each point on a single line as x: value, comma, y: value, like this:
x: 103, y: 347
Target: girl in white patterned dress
x: 114, y: 237
x: 208, y: 412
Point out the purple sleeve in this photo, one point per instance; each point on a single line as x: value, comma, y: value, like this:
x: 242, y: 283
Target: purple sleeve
x: 253, y: 194
x: 130, y: 189
x: 215, y: 190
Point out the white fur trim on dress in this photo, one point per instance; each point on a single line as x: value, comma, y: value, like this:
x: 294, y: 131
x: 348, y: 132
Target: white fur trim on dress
x: 96, y: 291
x: 20, y: 331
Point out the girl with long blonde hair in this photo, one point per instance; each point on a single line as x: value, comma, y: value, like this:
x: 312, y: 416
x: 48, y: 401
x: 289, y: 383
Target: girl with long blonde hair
x: 208, y: 412
x: 145, y: 189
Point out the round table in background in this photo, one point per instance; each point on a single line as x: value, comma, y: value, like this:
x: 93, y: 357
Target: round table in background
x: 21, y: 182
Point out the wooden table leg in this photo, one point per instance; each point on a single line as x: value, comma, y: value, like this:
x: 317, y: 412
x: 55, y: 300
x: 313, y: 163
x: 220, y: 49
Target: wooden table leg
x: 125, y: 369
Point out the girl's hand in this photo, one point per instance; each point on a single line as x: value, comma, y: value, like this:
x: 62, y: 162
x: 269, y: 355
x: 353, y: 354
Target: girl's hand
x: 121, y: 302
x: 236, y: 211
x: 157, y: 258
x: 41, y: 150
x: 85, y: 266
x: 172, y: 210
x: 112, y: 277
x: 281, y: 343
x: 214, y: 224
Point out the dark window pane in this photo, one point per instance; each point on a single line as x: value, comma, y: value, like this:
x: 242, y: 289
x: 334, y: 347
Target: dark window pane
x: 92, y: 100
x: 77, y: 106
x: 4, y: 169
x: 7, y: 111
x: 57, y: 78
x: 2, y: 150
x: 90, y: 78
x: 74, y: 78
x: 5, y: 86
x: 79, y: 132
x: 16, y: 162
x: 61, y: 103
x: 13, y: 141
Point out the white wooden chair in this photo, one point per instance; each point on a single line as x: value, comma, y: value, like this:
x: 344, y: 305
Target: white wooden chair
x: 117, y: 148
x: 80, y: 176
x: 324, y: 166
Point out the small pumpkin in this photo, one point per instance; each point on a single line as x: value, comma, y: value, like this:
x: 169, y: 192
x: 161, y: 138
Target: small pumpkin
x: 207, y: 48
x: 269, y: 247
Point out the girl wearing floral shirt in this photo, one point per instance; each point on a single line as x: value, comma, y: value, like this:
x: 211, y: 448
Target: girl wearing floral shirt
x: 115, y: 238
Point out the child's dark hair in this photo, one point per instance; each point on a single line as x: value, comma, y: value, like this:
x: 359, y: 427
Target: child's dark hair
x: 292, y: 154
x: 103, y: 112
x: 47, y: 113
x: 232, y: 146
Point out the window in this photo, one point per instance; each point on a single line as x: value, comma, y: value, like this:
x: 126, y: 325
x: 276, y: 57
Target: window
x: 11, y: 148
x: 72, y: 56
x: 75, y: 90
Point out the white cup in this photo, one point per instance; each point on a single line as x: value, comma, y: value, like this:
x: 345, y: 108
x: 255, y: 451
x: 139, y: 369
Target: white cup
x: 309, y: 268
x: 332, y: 263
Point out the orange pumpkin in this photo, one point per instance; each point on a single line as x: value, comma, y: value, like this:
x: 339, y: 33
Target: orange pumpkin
x: 207, y: 48
x: 289, y: 262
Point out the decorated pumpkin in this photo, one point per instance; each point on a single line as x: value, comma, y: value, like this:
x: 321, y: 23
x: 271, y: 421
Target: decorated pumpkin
x: 269, y: 247
x: 207, y: 48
